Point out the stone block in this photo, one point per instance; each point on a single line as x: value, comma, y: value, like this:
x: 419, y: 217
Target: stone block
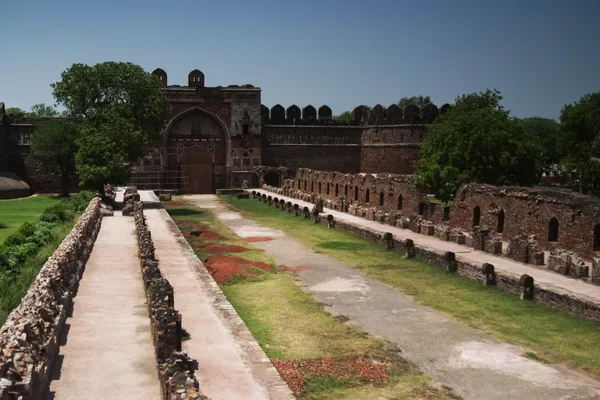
x: 596, y: 269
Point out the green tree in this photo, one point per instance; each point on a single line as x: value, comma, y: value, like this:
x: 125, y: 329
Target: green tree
x: 346, y: 116
x: 477, y: 141
x: 580, y: 140
x: 419, y: 100
x: 106, y: 149
x: 42, y: 110
x: 54, y: 145
x: 123, y: 106
x: 16, y: 111
x: 547, y: 131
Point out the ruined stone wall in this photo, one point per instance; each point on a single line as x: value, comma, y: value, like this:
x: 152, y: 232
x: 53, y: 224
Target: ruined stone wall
x: 451, y: 262
x: 383, y: 193
x: 398, y: 159
x: 529, y: 211
x: 29, y: 338
x: 176, y: 368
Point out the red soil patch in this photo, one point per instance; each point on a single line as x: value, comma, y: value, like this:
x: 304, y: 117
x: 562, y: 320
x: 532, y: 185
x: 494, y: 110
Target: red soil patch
x: 224, y: 249
x: 295, y: 268
x: 223, y: 268
x: 361, y: 368
x: 206, y: 235
x: 254, y: 239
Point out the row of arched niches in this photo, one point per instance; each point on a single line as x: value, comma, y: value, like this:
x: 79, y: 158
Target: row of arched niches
x: 361, y: 115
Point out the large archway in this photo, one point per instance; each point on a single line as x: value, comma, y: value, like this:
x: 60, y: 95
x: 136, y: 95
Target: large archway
x: 196, y: 143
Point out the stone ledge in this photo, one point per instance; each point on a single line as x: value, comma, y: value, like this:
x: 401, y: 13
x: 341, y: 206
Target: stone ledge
x: 554, y: 297
x: 29, y: 339
x: 176, y: 368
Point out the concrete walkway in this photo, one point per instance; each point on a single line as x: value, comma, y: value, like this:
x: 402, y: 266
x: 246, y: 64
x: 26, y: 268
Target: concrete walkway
x: 545, y: 279
x: 471, y: 362
x: 231, y: 363
x: 107, y: 351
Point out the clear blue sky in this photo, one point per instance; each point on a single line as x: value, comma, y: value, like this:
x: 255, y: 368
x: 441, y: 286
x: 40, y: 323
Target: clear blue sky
x: 541, y: 54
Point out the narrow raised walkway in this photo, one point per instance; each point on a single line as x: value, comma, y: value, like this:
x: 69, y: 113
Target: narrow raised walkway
x: 231, y: 365
x: 107, y: 350
x: 469, y: 361
x: 546, y: 279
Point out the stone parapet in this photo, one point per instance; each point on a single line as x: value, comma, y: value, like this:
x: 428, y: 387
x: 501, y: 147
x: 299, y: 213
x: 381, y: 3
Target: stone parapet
x: 29, y: 339
x: 176, y: 368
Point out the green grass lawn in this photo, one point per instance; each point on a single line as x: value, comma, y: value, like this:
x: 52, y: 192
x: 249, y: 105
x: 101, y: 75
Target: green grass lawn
x: 289, y: 324
x: 549, y: 335
x: 17, y: 211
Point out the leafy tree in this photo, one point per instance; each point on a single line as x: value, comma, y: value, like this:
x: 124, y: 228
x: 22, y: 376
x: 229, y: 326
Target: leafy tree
x: 346, y: 116
x: 125, y: 110
x: 16, y: 111
x: 477, y: 141
x: 105, y: 151
x: 42, y: 110
x: 547, y: 131
x: 53, y: 144
x: 580, y: 140
x: 417, y: 100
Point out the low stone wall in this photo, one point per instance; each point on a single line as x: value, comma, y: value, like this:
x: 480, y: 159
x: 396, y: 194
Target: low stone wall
x: 449, y: 261
x: 29, y: 339
x: 176, y: 368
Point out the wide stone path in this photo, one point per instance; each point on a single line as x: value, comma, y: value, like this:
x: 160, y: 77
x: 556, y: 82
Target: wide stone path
x: 545, y: 279
x: 108, y: 353
x: 471, y: 362
x: 231, y: 364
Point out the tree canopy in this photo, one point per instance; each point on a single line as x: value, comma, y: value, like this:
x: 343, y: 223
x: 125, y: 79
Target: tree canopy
x: 547, y: 132
x: 419, y: 100
x: 477, y: 141
x: 343, y: 117
x: 37, y: 110
x: 580, y: 140
x: 124, y: 109
x: 54, y: 145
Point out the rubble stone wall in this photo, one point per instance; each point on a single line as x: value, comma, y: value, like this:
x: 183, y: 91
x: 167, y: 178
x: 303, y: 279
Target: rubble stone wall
x: 29, y: 339
x: 529, y: 212
x: 579, y: 307
x: 176, y: 368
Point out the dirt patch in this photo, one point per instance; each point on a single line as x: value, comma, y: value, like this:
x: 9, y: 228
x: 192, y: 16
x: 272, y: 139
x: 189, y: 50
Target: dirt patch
x: 173, y: 203
x: 225, y: 269
x: 254, y: 239
x: 206, y: 235
x: 365, y: 370
x: 224, y: 249
x: 295, y: 268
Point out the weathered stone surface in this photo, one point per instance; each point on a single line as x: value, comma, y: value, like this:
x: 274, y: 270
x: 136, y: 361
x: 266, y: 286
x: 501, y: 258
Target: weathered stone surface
x: 176, y: 369
x: 568, y: 263
x: 29, y: 339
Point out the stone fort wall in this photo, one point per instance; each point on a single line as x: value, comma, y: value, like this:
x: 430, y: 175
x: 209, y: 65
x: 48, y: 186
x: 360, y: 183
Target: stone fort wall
x: 558, y: 228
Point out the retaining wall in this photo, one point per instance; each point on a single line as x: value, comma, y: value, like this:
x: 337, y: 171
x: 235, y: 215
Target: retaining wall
x: 29, y: 339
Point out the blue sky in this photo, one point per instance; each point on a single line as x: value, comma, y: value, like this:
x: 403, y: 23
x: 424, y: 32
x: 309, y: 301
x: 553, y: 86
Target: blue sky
x: 541, y: 54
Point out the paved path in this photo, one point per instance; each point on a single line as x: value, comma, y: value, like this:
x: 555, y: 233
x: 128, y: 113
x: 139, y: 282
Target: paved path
x: 546, y: 279
x: 109, y: 352
x: 231, y: 364
x: 471, y: 362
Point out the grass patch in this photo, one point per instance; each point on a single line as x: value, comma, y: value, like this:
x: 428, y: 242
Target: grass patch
x: 15, y: 212
x: 14, y: 286
x: 289, y: 324
x: 553, y: 335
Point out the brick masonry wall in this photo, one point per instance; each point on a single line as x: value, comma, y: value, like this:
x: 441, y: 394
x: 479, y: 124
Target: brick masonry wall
x: 343, y: 158
x: 29, y: 338
x: 511, y: 283
x: 399, y: 159
x: 528, y: 211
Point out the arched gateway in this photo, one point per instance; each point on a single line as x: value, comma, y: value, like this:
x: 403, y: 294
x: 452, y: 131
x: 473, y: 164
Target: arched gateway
x: 196, y: 142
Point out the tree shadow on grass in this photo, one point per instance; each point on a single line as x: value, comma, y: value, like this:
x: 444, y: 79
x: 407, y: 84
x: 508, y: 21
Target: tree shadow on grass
x: 2, y: 226
x: 185, y: 212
